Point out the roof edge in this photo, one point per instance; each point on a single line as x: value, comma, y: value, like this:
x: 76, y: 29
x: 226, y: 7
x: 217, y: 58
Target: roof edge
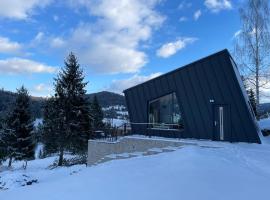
x: 183, y: 67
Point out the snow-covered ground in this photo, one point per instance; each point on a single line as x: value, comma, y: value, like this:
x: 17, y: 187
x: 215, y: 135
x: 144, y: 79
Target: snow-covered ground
x: 38, y: 121
x: 265, y: 123
x: 206, y: 171
x: 115, y: 122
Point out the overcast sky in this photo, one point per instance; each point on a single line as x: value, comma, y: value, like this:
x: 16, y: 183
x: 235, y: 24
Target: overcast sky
x: 118, y: 43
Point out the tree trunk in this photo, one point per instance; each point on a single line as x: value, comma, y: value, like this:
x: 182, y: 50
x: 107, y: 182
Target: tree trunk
x: 257, y: 74
x: 257, y: 64
x: 257, y: 90
x: 61, y: 156
x: 10, y: 161
x: 25, y: 166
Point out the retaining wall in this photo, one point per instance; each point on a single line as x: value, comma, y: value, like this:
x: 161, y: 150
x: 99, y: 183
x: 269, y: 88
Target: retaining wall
x: 98, y: 149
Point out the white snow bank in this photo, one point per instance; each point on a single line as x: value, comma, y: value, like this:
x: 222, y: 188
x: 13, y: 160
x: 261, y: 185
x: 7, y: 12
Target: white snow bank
x: 228, y: 171
x: 39, y: 150
x: 38, y: 121
x: 264, y: 123
x: 36, y: 170
x: 115, y: 122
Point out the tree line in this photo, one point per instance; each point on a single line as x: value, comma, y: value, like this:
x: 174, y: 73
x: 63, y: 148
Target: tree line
x: 252, y: 50
x: 69, y: 120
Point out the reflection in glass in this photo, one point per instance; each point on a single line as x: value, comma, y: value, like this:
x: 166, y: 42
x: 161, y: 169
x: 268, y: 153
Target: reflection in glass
x: 164, y: 113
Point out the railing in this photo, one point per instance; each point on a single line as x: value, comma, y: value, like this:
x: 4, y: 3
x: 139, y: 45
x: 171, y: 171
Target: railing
x: 113, y: 133
x: 160, y: 126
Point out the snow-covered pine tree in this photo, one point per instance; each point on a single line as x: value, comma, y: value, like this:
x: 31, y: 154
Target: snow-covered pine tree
x: 18, y: 133
x: 9, y: 141
x: 74, y: 119
x: 252, y: 99
x: 2, y: 145
x: 50, y: 128
x: 97, y: 114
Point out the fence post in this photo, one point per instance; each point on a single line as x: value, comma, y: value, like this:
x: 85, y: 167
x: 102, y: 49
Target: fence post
x: 125, y: 128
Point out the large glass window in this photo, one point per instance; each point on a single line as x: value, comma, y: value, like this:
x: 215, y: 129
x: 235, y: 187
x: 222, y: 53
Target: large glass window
x: 164, y: 113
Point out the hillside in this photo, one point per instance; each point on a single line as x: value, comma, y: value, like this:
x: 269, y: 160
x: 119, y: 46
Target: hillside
x: 106, y: 99
x: 264, y: 108
x: 7, y: 100
x: 215, y: 170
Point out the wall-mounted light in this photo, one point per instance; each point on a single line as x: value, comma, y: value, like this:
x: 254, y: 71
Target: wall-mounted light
x: 211, y: 100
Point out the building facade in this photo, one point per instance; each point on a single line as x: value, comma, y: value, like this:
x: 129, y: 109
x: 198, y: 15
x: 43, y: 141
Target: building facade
x: 204, y: 100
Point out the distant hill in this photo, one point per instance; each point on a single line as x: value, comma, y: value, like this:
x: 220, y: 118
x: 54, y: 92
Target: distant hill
x: 264, y: 108
x: 107, y: 99
x: 7, y: 99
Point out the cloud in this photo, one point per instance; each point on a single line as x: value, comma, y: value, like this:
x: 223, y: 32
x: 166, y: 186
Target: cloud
x: 55, y: 18
x: 171, y: 48
x: 7, y: 46
x: 111, y: 44
x: 39, y: 37
x: 183, y: 19
x: 24, y: 66
x: 42, y: 89
x: 57, y: 42
x: 43, y: 41
x: 197, y: 15
x: 265, y: 94
x: 119, y: 85
x: 18, y: 9
x: 218, y: 5
x: 237, y: 33
x: 184, y: 4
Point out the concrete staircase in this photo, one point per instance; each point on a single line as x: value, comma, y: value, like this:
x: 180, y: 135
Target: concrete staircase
x: 148, y: 152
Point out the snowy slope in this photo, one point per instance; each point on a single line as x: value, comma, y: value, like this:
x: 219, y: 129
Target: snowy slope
x: 115, y: 122
x: 265, y: 123
x: 218, y: 171
x: 206, y: 171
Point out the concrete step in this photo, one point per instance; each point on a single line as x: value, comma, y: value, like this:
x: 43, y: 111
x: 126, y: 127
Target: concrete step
x: 149, y: 152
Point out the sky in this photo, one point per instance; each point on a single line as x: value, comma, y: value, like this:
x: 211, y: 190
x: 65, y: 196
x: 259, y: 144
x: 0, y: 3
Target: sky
x: 118, y: 43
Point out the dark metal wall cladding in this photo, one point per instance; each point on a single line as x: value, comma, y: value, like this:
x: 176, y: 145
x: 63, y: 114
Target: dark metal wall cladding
x: 213, y: 77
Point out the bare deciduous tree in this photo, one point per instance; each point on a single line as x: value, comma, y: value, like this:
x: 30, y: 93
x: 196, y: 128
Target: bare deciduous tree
x: 252, y: 46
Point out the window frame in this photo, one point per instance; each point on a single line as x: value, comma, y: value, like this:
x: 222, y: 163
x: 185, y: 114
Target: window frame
x: 166, y: 126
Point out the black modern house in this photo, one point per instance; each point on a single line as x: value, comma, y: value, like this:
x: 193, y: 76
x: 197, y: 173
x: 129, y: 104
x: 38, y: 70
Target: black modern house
x: 204, y: 100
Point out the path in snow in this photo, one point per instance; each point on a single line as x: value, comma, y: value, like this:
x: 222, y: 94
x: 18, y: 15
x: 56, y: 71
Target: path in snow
x: 231, y: 171
x: 226, y: 171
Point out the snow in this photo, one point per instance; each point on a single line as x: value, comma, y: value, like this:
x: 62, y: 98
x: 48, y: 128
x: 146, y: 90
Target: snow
x: 199, y: 170
x: 115, y: 107
x: 39, y: 149
x: 38, y: 121
x: 115, y: 122
x: 265, y: 123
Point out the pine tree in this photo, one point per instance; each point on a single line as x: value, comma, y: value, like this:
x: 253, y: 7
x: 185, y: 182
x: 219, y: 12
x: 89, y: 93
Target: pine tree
x: 97, y: 114
x: 49, y: 128
x: 73, y: 116
x: 9, y: 139
x: 18, y: 132
x: 2, y: 145
x: 252, y: 100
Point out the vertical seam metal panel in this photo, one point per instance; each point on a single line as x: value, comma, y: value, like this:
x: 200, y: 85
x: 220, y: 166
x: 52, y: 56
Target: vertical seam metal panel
x: 243, y: 105
x: 234, y: 100
x: 194, y: 85
x: 206, y: 93
x: 217, y: 95
x: 199, y: 98
x: 222, y: 83
x: 140, y: 103
x: 180, y: 89
x: 190, y: 106
x: 196, y: 105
